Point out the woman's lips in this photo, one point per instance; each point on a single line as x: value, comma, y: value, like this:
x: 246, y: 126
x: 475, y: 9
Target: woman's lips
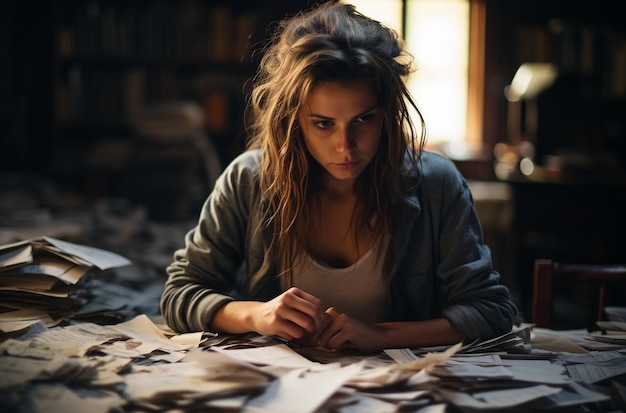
x: 347, y: 165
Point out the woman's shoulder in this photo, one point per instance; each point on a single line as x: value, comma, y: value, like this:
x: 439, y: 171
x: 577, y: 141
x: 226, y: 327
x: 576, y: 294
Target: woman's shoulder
x: 437, y: 162
x: 434, y: 166
x: 242, y: 172
x: 249, y: 159
x: 437, y: 172
x: 247, y: 163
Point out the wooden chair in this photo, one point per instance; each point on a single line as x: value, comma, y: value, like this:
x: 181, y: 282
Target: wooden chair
x: 549, y: 274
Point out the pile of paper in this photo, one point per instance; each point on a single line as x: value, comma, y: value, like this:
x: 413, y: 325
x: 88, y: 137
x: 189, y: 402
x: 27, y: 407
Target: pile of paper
x: 134, y: 366
x: 616, y: 313
x: 43, y: 279
x: 130, y: 365
x: 410, y: 381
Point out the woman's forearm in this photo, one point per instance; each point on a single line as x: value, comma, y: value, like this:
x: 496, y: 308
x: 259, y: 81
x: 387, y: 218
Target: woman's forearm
x: 292, y: 314
x: 235, y: 317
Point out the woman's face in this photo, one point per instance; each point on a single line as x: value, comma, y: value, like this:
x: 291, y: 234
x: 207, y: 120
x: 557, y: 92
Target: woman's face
x: 342, y: 123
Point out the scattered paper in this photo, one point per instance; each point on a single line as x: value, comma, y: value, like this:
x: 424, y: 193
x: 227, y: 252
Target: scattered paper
x: 293, y: 390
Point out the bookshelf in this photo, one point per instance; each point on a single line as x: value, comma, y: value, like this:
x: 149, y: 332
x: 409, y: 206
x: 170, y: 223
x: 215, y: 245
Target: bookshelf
x: 568, y: 208
x: 115, y: 56
x: 111, y: 58
x: 579, y: 118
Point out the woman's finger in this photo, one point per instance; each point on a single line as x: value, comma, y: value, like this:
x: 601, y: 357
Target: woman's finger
x: 331, y: 326
x: 308, y: 309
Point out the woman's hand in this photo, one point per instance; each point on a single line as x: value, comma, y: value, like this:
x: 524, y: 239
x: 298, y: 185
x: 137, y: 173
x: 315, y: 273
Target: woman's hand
x: 344, y: 332
x: 293, y: 314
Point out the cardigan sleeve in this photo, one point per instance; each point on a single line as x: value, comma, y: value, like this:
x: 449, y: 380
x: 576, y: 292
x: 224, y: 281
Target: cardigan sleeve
x: 203, y: 273
x: 475, y: 301
x: 445, y: 268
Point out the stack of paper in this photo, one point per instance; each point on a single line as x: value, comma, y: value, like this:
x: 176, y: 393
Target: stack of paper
x: 616, y: 313
x: 43, y: 279
x: 135, y: 366
x: 130, y: 365
x: 612, y: 331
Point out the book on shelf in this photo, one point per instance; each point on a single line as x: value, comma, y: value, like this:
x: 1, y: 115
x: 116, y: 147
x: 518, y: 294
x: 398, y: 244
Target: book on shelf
x: 189, y: 29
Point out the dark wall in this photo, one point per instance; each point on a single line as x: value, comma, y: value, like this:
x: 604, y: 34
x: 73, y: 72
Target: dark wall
x: 26, y: 100
x: 25, y: 83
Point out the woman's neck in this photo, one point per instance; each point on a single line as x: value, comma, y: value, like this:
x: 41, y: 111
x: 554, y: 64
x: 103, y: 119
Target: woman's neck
x: 336, y: 236
x: 338, y: 190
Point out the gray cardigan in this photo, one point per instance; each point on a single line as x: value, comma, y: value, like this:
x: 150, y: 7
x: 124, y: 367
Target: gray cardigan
x: 442, y: 266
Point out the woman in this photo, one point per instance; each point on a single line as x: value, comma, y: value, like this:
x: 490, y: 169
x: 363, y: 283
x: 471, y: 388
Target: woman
x: 336, y: 227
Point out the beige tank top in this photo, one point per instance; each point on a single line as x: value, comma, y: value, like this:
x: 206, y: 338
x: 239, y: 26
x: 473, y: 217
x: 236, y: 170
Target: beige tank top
x: 359, y: 290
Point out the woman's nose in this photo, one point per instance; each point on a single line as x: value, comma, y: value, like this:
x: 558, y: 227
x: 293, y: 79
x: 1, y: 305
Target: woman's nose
x: 345, y: 140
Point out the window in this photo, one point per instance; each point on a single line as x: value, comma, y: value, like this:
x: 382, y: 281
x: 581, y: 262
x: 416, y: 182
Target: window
x: 447, y: 85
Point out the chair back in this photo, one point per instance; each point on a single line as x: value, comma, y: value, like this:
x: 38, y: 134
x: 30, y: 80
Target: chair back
x: 596, y: 279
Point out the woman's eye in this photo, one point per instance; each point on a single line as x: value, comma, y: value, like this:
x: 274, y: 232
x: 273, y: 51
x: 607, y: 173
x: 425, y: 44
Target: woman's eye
x: 365, y: 118
x: 322, y: 124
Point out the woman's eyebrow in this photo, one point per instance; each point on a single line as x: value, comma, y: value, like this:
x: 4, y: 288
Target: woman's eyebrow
x: 365, y: 112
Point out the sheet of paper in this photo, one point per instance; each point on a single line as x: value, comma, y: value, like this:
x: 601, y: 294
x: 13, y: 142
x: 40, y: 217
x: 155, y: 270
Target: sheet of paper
x: 108, y: 371
x: 430, y: 359
x: 574, y: 394
x: 593, y: 373
x: 226, y: 404
x: 98, y: 257
x: 599, y: 358
x: 18, y: 320
x: 497, y: 399
x: 388, y: 374
x: 188, y: 339
x: 56, y: 397
x: 616, y: 313
x: 516, y: 338
x: 556, y: 343
x: 35, y: 329
x: 155, y: 388
x: 53, y: 266
x: 476, y: 359
x: 404, y: 355
x: 471, y: 371
x: 537, y: 371
x: 144, y: 330
x: 401, y: 355
x: 613, y: 338
x: 129, y: 348
x: 360, y: 403
x: 203, y: 374
x: 16, y: 254
x: 612, y: 325
x: 293, y: 390
x: 398, y: 395
x: 42, y: 349
x: 17, y: 371
x: 279, y: 355
x: 580, y: 337
x: 72, y: 340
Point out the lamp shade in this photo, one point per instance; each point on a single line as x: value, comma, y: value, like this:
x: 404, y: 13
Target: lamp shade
x: 529, y: 80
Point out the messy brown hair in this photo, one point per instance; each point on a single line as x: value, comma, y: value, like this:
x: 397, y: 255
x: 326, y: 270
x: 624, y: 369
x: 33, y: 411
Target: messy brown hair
x: 330, y: 42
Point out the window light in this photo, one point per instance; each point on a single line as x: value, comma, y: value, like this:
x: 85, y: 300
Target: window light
x: 437, y: 35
